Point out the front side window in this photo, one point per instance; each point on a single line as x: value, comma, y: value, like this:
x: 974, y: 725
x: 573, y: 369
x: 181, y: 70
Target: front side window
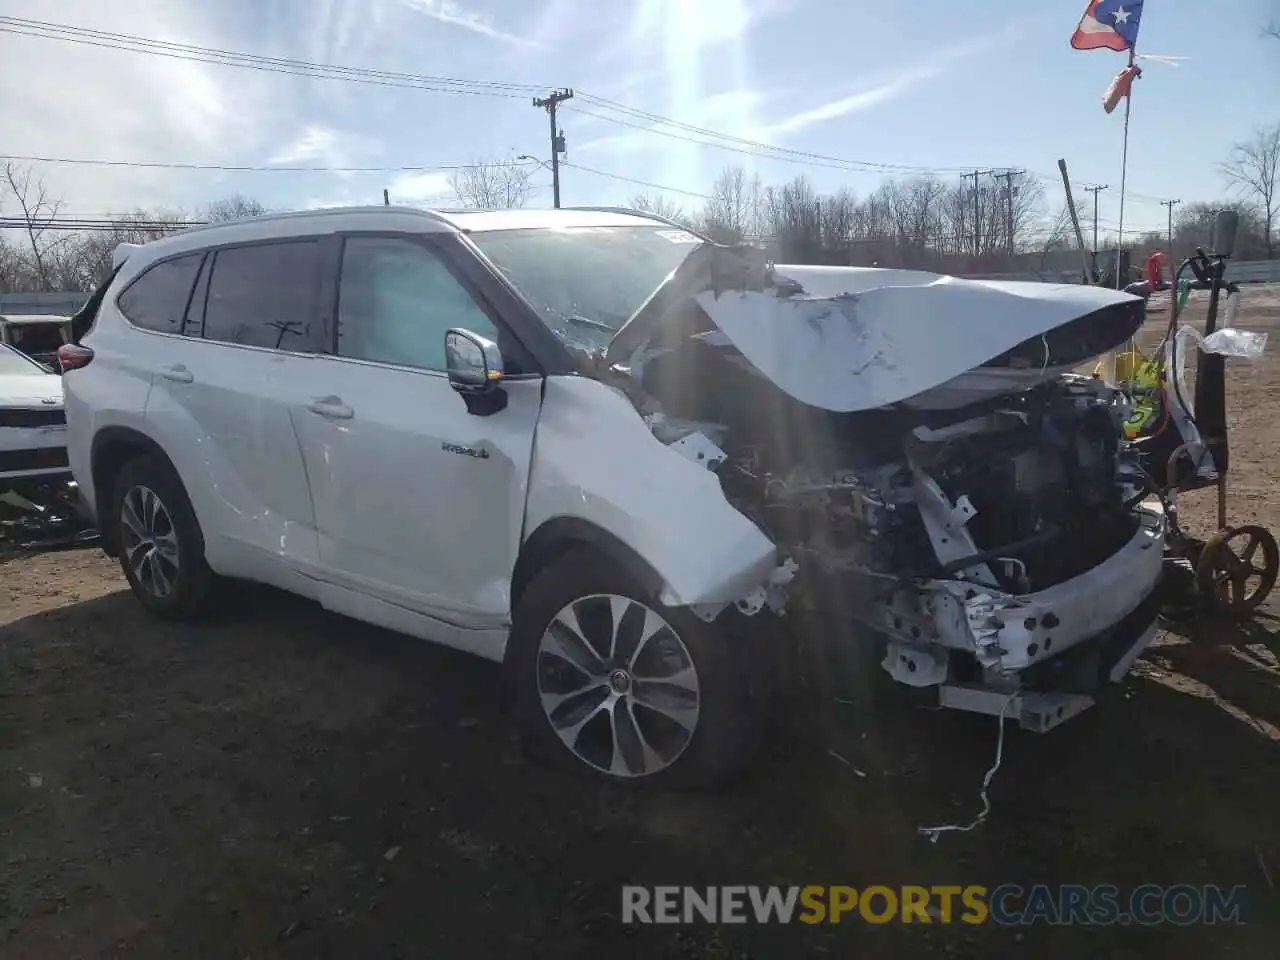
x: 157, y: 300
x: 264, y: 295
x: 397, y: 300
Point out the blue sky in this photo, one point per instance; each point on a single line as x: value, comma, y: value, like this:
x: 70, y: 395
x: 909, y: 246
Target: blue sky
x: 919, y: 83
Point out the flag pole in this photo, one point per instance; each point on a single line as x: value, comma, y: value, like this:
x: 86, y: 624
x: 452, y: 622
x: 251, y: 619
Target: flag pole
x: 1124, y: 168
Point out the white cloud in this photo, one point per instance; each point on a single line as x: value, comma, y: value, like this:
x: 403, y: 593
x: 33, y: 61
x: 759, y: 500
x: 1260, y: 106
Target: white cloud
x: 323, y: 146
x: 931, y: 67
x: 412, y: 189
x: 863, y: 100
x: 456, y: 15
x: 693, y: 24
x: 77, y: 100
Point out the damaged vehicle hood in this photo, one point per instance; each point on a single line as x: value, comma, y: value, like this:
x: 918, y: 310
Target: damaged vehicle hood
x: 849, y: 339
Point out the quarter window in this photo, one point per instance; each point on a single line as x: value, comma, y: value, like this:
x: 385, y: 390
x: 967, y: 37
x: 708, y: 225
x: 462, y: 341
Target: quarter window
x: 264, y: 296
x: 396, y: 302
x: 157, y: 300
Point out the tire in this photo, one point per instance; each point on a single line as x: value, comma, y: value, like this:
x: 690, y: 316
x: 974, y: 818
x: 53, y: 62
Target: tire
x: 727, y: 713
x: 150, y: 490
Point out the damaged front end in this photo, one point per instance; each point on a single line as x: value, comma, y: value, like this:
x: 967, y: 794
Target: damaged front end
x: 925, y: 462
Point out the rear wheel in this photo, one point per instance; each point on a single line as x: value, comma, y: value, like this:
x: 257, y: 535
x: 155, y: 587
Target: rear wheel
x: 609, y: 681
x: 160, y: 543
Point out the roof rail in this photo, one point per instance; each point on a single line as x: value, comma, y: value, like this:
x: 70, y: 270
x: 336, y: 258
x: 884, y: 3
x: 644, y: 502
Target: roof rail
x: 647, y: 214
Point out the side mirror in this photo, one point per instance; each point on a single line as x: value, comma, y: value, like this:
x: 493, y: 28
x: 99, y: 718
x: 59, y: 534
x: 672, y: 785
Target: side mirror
x: 474, y: 363
x: 1225, y: 228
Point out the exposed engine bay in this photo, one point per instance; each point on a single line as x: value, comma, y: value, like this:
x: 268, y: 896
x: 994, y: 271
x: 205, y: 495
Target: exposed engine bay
x: 992, y: 528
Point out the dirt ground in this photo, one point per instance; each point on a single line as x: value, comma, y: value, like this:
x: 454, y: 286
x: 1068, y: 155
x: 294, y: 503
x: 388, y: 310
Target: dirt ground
x: 287, y: 783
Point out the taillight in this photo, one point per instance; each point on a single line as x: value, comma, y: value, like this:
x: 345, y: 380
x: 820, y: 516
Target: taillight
x: 72, y: 356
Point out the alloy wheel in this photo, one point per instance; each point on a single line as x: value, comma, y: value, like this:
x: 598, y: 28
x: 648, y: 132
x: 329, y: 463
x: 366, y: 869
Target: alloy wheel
x: 149, y: 541
x: 618, y: 685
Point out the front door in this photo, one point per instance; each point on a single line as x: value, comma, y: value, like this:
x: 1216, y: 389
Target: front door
x: 418, y: 502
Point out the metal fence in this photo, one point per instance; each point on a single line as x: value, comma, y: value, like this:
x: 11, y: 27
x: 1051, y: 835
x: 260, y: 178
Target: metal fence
x: 44, y: 304
x: 1254, y: 271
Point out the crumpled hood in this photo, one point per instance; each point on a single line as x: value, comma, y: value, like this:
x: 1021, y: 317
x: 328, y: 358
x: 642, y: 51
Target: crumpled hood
x: 859, y: 338
x: 31, y: 390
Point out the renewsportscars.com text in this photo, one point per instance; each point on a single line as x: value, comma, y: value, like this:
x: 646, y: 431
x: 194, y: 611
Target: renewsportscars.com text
x: 1006, y: 905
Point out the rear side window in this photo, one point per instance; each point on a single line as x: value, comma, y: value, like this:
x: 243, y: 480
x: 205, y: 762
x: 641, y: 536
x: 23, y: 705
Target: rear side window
x: 157, y: 300
x: 265, y: 296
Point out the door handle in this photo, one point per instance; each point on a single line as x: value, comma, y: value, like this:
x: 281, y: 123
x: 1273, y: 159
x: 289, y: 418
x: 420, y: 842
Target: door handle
x: 177, y: 373
x: 331, y: 408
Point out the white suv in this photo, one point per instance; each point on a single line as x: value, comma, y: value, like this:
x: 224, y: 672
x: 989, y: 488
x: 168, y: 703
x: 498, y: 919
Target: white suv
x: 596, y: 447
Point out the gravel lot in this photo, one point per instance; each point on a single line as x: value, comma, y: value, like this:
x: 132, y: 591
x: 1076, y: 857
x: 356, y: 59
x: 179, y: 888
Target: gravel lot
x: 286, y: 783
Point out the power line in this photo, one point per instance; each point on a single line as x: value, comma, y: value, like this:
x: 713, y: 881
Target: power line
x: 229, y: 58
x: 641, y: 183
x: 701, y: 136
x: 245, y: 168
x: 81, y: 225
x: 308, y: 69
x: 754, y: 144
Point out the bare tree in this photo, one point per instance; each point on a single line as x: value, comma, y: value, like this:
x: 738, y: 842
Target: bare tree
x: 1254, y: 169
x: 1057, y: 237
x: 837, y: 219
x: 38, y: 212
x: 235, y: 207
x: 492, y: 185
x: 733, y: 211
x: 1194, y: 228
x: 659, y: 206
x: 793, y: 213
x: 89, y: 262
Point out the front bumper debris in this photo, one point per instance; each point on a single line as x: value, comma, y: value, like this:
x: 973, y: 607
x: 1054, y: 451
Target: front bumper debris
x: 43, y: 513
x: 1042, y: 657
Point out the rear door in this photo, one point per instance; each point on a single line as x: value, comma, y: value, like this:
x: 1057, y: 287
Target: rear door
x: 418, y: 502
x: 226, y: 392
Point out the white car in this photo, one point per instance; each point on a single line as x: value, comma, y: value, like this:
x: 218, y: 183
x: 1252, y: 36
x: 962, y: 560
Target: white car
x: 595, y: 447
x: 33, y: 442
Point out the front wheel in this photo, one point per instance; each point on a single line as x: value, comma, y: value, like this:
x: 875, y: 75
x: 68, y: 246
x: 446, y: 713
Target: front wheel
x: 609, y: 681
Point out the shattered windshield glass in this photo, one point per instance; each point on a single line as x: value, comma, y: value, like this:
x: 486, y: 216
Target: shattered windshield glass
x: 586, y: 282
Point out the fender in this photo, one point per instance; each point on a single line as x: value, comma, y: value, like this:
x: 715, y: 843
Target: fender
x: 595, y: 462
x: 111, y: 449
x: 558, y: 534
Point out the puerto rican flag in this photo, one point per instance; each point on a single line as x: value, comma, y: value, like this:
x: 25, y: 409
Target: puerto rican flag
x: 1109, y: 25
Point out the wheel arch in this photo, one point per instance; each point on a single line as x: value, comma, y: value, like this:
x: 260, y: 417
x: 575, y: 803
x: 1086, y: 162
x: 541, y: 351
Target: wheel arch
x: 112, y: 448
x: 558, y: 535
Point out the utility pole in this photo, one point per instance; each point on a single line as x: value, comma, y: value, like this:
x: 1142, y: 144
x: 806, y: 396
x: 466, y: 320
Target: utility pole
x: 1008, y: 196
x: 1095, y: 191
x: 549, y: 104
x: 1170, y: 204
x: 977, y: 213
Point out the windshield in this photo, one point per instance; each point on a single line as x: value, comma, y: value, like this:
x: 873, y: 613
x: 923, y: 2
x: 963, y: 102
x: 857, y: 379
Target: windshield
x: 37, y: 338
x: 13, y: 363
x: 586, y: 282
